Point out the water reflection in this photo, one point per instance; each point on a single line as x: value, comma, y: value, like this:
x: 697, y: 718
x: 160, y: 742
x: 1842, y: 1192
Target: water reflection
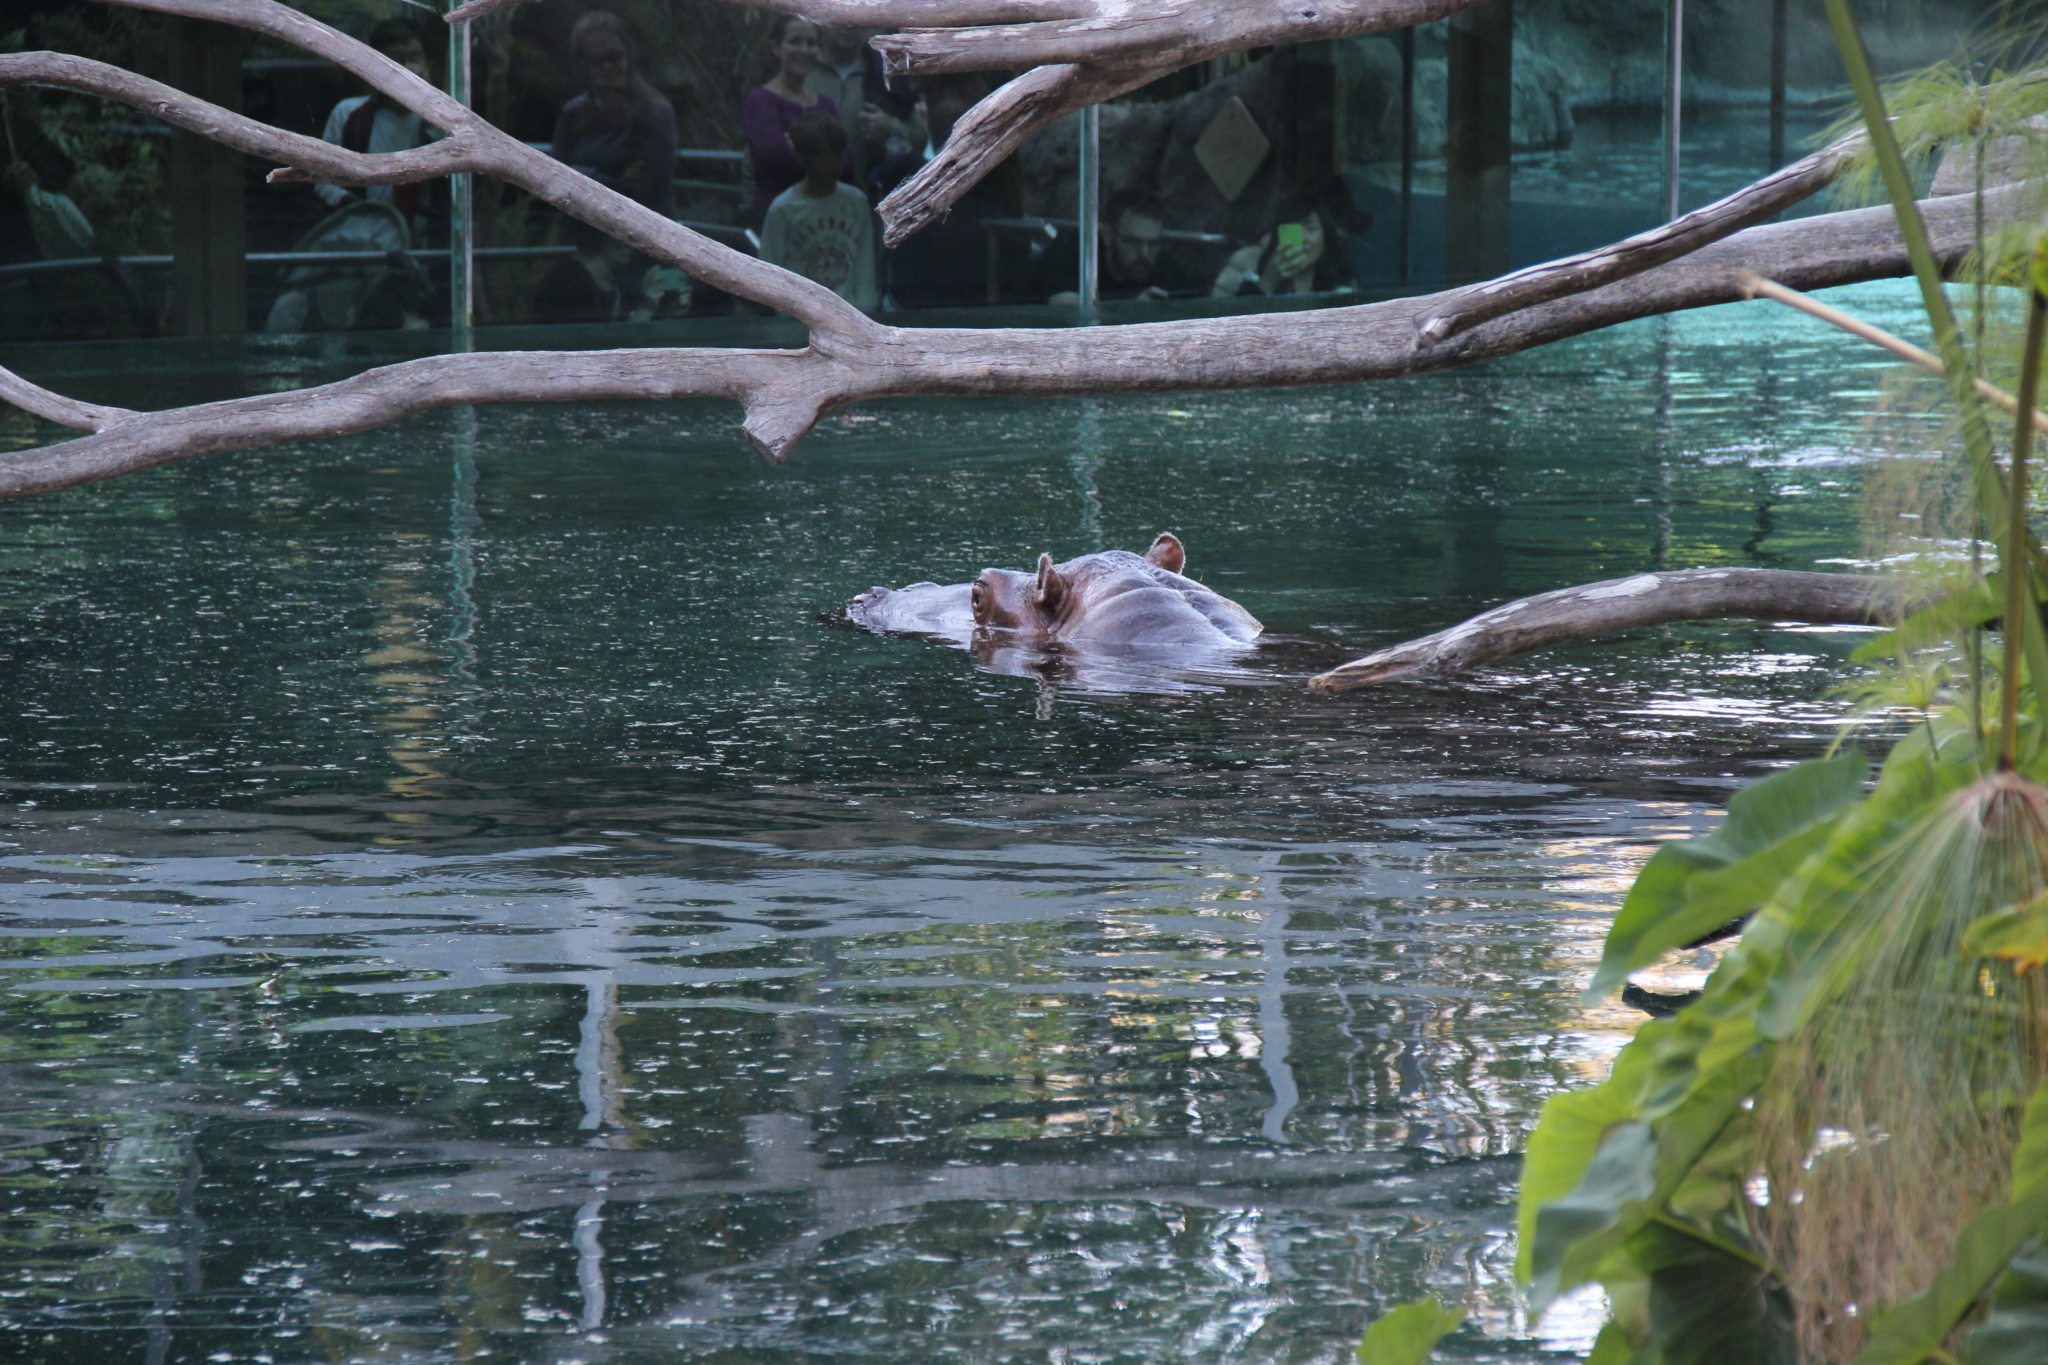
x: 460, y: 900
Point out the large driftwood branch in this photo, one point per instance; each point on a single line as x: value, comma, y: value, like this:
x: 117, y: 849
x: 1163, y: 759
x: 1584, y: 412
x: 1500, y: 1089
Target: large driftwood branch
x: 851, y: 357
x: 1136, y: 33
x: 991, y: 130
x: 1466, y: 308
x: 873, y: 13
x: 785, y: 392
x: 1086, y: 61
x: 1084, y: 52
x: 1649, y: 599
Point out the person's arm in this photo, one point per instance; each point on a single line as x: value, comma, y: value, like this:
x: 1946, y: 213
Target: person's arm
x: 562, y: 144
x: 1242, y: 266
x: 334, y: 196
x: 775, y: 236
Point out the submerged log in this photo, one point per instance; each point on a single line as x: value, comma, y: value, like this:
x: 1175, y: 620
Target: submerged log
x: 1648, y: 599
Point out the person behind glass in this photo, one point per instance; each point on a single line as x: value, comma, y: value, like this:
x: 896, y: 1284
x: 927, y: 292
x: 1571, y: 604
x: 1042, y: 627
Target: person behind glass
x: 820, y: 227
x: 620, y: 131
x: 879, y: 114
x: 586, y: 286
x: 770, y: 108
x: 1133, y: 261
x: 376, y: 123
x: 945, y: 263
x: 1303, y: 254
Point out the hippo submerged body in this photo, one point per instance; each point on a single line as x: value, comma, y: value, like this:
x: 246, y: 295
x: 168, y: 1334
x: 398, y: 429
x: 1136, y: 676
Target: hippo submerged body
x: 1090, y: 618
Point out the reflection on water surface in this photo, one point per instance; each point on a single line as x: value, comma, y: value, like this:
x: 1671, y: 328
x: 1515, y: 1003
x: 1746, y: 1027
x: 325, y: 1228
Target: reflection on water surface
x: 464, y: 899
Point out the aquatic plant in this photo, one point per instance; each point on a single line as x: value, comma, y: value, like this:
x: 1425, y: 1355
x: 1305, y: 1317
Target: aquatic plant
x: 1839, y: 1151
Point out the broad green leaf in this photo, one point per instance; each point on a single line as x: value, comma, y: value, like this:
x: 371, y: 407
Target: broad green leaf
x: 1691, y: 888
x: 1824, y: 910
x: 2019, y: 934
x: 1709, y: 1306
x: 1912, y: 1331
x: 1569, y: 1132
x: 1408, y: 1334
x: 2016, y: 1332
x: 1638, y: 1166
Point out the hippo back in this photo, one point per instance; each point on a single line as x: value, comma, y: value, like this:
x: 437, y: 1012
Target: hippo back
x: 1122, y: 598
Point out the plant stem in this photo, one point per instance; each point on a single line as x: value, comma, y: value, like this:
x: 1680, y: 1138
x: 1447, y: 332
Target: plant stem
x: 2013, y: 553
x: 1898, y: 184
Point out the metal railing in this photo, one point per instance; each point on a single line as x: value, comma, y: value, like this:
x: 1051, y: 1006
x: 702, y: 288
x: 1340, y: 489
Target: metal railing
x: 737, y: 238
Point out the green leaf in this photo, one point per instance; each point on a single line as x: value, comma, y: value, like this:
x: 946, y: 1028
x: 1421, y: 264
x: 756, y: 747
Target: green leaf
x: 1912, y: 1331
x: 1612, y: 1347
x: 1636, y: 1169
x: 2016, y: 1332
x: 1709, y: 1306
x: 1408, y: 1334
x: 1569, y: 1132
x: 1690, y: 889
x: 2018, y: 933
x: 1938, y: 624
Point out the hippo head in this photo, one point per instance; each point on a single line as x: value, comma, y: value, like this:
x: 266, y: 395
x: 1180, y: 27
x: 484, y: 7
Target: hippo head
x: 1041, y: 603
x: 1112, y: 600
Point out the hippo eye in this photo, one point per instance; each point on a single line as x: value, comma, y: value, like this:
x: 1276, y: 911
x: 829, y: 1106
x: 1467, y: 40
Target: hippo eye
x: 976, y: 599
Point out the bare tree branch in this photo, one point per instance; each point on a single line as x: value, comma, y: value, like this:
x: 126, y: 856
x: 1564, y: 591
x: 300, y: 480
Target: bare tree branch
x: 1650, y: 599
x: 1466, y: 308
x: 1087, y: 61
x: 1146, y: 33
x: 990, y: 131
x: 850, y: 357
x: 873, y: 13
x: 55, y: 407
x: 1753, y: 285
x: 309, y: 157
x: 358, y: 59
x: 785, y: 392
x: 472, y: 144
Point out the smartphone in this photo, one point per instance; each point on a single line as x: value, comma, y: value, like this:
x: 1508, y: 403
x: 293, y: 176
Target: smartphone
x: 1288, y: 234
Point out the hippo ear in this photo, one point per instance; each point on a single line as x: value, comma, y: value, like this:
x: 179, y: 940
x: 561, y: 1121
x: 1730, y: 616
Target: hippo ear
x: 1052, y: 589
x: 1167, y: 552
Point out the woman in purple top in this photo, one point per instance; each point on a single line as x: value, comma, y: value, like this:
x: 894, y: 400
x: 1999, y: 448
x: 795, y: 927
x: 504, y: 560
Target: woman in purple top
x: 768, y: 110
x: 620, y: 132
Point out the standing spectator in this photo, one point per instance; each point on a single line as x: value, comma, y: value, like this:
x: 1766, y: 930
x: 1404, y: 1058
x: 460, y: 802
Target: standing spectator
x: 769, y: 109
x: 878, y: 114
x: 620, y: 131
x: 820, y: 227
x: 375, y: 123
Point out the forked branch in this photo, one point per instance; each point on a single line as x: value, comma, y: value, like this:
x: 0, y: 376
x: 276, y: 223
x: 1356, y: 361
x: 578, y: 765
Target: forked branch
x: 1083, y: 52
x: 851, y: 357
x: 785, y: 392
x: 1650, y: 599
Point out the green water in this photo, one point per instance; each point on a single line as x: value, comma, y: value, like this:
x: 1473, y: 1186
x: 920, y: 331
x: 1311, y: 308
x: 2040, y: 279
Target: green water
x: 465, y: 898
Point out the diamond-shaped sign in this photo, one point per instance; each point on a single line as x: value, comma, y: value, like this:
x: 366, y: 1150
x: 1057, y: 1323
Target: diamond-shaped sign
x: 1232, y: 148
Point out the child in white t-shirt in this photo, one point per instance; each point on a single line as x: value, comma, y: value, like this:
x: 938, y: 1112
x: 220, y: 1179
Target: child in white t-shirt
x: 820, y: 228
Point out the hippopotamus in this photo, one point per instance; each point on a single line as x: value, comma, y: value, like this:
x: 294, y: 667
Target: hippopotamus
x: 1113, y: 599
